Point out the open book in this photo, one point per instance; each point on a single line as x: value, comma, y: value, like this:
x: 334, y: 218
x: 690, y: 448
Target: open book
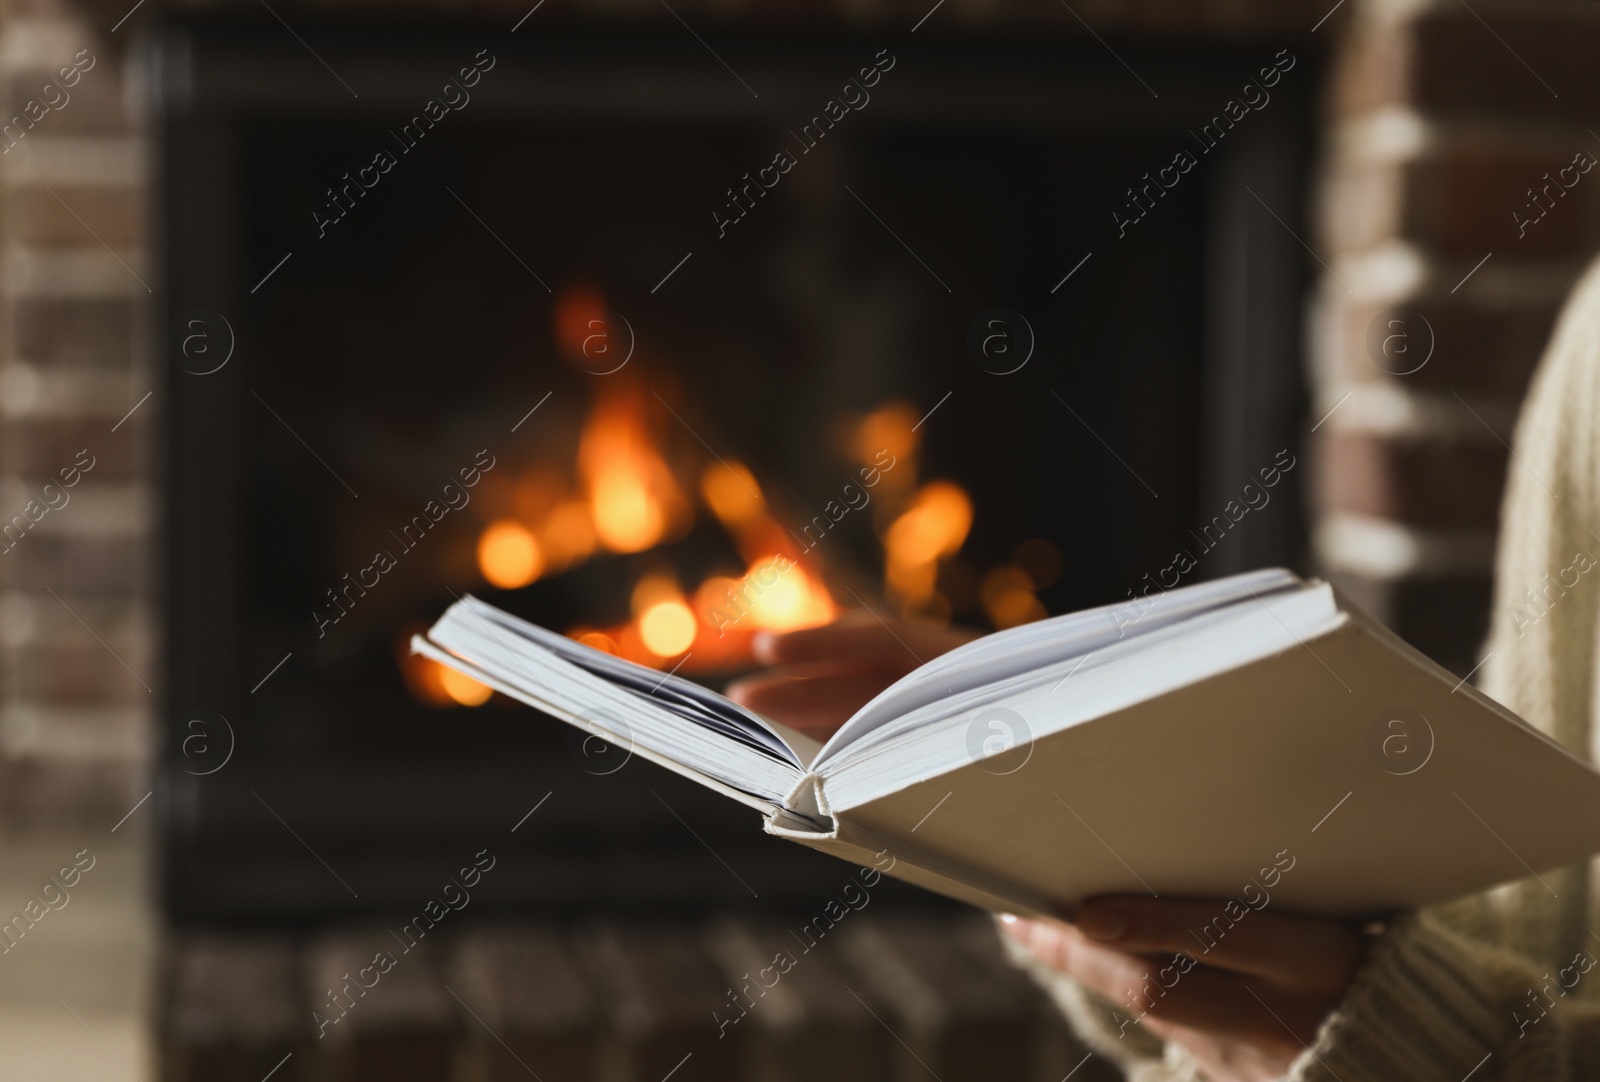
x: 1251, y: 737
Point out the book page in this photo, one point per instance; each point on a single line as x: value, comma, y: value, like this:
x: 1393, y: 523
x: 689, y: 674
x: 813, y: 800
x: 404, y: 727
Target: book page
x: 1044, y: 645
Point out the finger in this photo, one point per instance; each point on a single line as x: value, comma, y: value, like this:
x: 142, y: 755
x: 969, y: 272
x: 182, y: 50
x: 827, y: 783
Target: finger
x: 1295, y: 951
x: 862, y: 637
x: 1133, y: 984
x: 815, y: 698
x: 1176, y: 991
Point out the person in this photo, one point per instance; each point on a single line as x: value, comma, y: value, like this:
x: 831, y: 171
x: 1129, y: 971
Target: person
x: 1500, y: 985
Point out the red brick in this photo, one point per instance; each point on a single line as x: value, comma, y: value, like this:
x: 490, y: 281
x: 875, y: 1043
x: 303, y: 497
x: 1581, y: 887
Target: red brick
x: 402, y: 1026
x: 75, y: 674
x: 1447, y: 63
x: 106, y: 566
x: 78, y: 332
x: 39, y: 791
x: 231, y: 1009
x: 1462, y: 201
x: 1372, y: 68
x: 80, y: 217
x: 661, y: 988
x: 989, y: 1015
x: 1433, y: 484
x: 1463, y: 67
x: 1479, y: 349
x: 93, y: 106
x: 39, y: 448
x: 532, y: 996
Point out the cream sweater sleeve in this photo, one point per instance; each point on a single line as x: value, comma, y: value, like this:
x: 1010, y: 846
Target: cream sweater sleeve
x: 1433, y: 1006
x: 1474, y: 988
x: 1436, y: 1001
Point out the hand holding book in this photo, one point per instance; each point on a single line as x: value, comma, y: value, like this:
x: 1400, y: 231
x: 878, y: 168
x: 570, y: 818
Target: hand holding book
x: 1246, y: 1008
x: 1246, y: 1013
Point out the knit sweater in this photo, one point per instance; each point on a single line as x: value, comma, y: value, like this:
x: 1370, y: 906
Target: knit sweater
x: 1490, y: 985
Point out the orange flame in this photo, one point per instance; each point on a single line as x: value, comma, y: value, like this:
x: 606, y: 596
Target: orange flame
x: 567, y: 536
x: 891, y: 428
x: 934, y: 527
x: 785, y: 598
x: 1008, y: 597
x: 509, y: 555
x: 432, y: 683
x: 463, y: 689
x: 733, y: 494
x: 633, y: 497
x: 666, y: 623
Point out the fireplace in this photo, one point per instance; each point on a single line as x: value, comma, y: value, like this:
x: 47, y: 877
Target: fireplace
x: 1401, y: 503
x: 418, y: 290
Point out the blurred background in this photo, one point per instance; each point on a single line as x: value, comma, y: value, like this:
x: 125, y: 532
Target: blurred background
x: 314, y: 317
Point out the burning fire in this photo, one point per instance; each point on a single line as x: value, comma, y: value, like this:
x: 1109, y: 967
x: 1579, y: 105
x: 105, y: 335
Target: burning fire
x: 509, y: 555
x: 633, y: 497
x: 666, y: 624
x: 733, y: 495
x: 1008, y: 597
x: 628, y: 500
x: 792, y: 601
x: 932, y: 529
x: 891, y: 428
x: 624, y: 497
x: 568, y: 534
x: 432, y: 683
x: 463, y: 689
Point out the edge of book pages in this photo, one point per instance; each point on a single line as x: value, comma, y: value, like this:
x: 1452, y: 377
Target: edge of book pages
x: 444, y: 657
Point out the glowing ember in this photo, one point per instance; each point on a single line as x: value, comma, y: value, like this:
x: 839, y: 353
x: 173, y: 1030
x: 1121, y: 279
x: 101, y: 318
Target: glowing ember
x: 422, y: 676
x: 625, y: 516
x: 712, y: 597
x: 633, y: 497
x: 666, y: 623
x: 463, y: 689
x: 567, y: 536
x: 597, y: 639
x: 933, y: 528
x: 508, y: 555
x: 431, y: 683
x: 627, y: 494
x: 667, y: 629
x: 790, y: 599
x: 889, y: 428
x: 1008, y: 597
x: 732, y: 493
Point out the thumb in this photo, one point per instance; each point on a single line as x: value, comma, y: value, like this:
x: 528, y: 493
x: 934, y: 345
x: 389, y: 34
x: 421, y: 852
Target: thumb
x: 1049, y: 942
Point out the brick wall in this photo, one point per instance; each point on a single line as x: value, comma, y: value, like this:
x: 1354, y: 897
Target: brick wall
x: 76, y: 664
x: 1441, y: 118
